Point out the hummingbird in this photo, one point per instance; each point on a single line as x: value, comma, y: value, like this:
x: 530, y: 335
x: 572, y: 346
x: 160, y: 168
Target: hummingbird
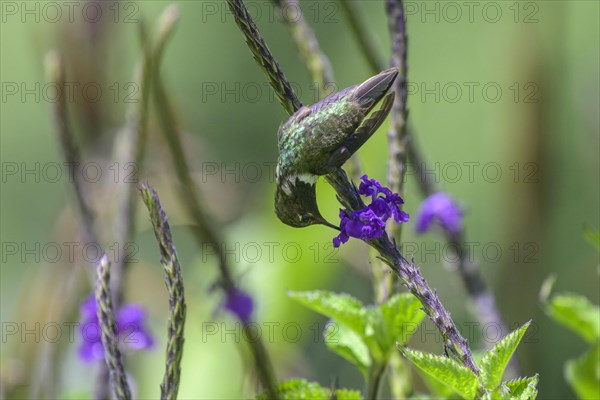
x: 318, y: 139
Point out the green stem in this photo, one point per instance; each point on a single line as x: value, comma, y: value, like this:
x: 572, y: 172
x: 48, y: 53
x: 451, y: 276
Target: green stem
x: 174, y: 281
x: 283, y: 89
x: 108, y: 326
x: 376, y: 373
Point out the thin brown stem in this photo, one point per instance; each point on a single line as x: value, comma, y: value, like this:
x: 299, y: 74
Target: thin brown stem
x: 283, y: 89
x: 484, y: 302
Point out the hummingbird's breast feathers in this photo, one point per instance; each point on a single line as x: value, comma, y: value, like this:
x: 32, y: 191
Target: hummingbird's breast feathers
x: 288, y: 183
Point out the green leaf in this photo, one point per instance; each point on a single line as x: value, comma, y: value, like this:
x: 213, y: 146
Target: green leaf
x: 592, y: 235
x: 402, y: 315
x: 523, y: 388
x: 391, y: 322
x: 300, y: 389
x: 461, y: 379
x: 374, y: 335
x: 500, y: 393
x: 576, y: 313
x: 517, y: 389
x: 437, y: 388
x: 494, y: 362
x: 341, y: 307
x: 345, y: 342
x: 420, y: 396
x: 347, y: 394
x: 583, y: 374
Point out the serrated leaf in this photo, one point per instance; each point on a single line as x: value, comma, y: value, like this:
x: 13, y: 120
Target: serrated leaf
x: 341, y: 307
x: 523, y: 388
x: 374, y: 334
x: 402, y: 315
x: 494, y: 362
x: 500, y: 393
x: 576, y: 313
x: 583, y: 374
x: 593, y: 236
x: 300, y: 389
x: 461, y: 379
x: 345, y: 342
x: 517, y: 389
x: 391, y: 322
x: 437, y: 388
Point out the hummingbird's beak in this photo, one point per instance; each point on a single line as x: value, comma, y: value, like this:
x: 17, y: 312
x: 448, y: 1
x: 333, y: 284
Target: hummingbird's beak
x: 324, y: 222
x: 368, y: 93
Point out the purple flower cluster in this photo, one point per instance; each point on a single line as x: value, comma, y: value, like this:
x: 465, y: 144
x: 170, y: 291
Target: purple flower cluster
x: 369, y: 222
x: 442, y: 209
x: 130, y: 320
x: 240, y: 304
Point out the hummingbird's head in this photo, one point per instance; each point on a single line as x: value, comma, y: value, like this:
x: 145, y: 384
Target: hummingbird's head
x: 296, y: 201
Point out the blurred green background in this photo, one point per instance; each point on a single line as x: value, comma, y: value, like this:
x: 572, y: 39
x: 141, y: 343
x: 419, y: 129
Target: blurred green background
x: 540, y: 132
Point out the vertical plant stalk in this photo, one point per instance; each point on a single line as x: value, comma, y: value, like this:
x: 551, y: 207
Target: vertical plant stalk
x: 482, y: 298
x: 204, y: 230
x: 55, y: 69
x: 397, y: 135
x: 282, y: 87
x: 376, y: 372
x: 174, y: 282
x: 108, y: 326
x: 455, y: 345
x: 130, y: 149
x: 383, y: 281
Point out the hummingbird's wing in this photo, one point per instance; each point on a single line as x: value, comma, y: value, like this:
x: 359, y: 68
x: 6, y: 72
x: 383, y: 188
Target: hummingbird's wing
x: 368, y: 127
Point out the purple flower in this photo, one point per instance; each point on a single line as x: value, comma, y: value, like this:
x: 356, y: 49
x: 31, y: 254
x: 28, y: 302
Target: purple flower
x: 130, y: 320
x: 442, y: 209
x: 240, y: 304
x: 369, y: 222
x: 370, y: 187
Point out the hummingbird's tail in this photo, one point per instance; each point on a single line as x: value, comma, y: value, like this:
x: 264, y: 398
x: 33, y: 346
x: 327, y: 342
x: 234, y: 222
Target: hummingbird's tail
x: 368, y: 93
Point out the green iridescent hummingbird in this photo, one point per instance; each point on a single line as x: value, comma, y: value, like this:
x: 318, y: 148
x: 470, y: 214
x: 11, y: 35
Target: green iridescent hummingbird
x: 318, y: 139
